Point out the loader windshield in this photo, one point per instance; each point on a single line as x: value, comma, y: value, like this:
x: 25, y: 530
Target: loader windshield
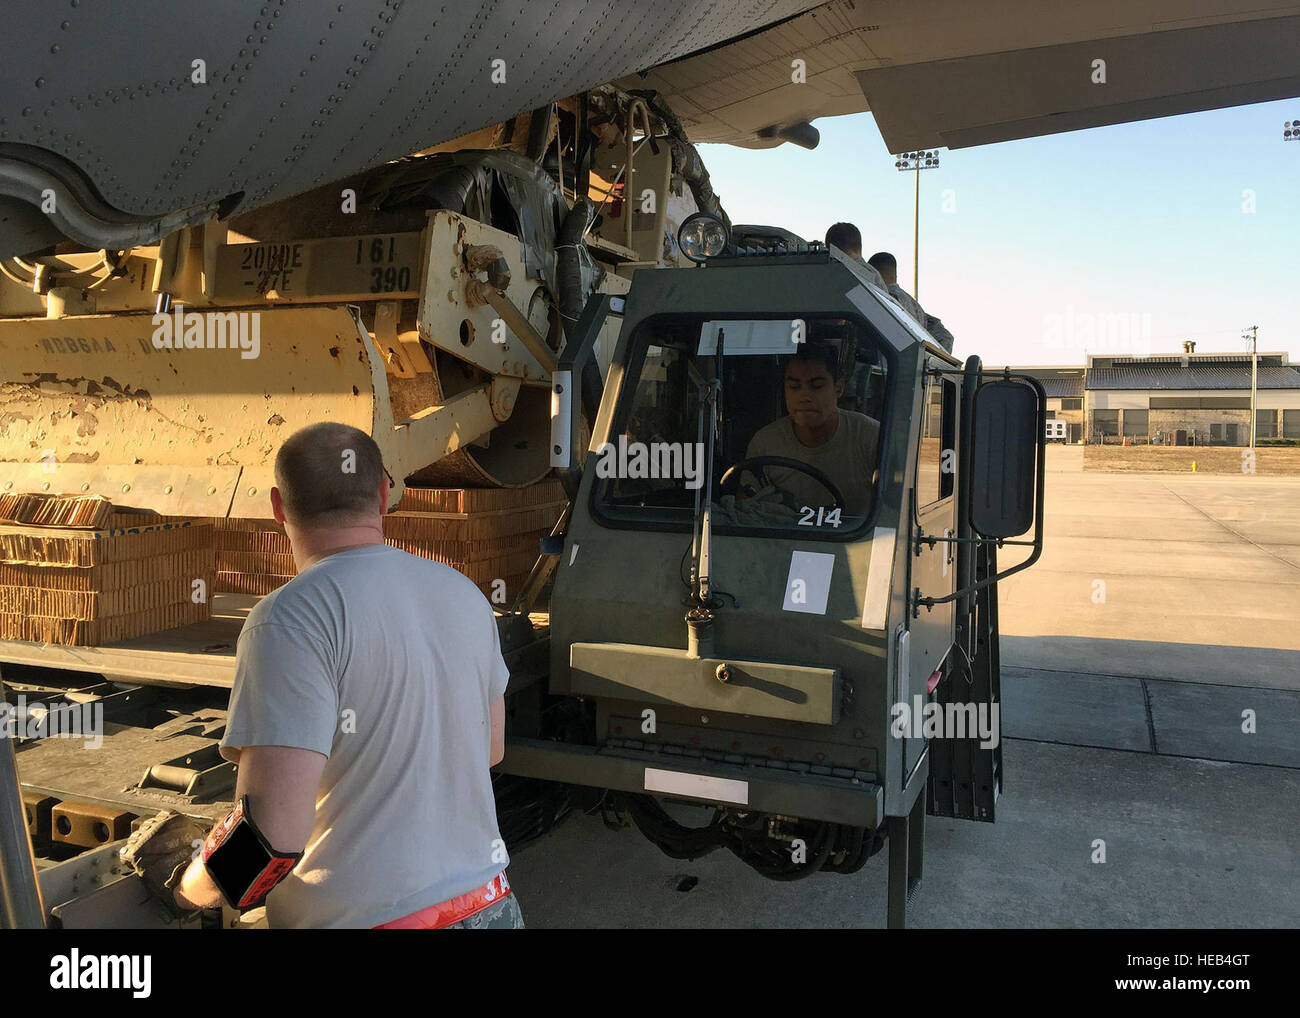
x: 798, y: 427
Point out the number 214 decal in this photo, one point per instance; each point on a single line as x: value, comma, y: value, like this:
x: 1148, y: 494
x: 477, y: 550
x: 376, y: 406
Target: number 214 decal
x: 824, y: 517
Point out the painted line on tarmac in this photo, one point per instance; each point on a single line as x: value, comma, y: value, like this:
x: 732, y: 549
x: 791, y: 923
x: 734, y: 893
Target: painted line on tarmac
x: 1147, y: 752
x: 1234, y: 533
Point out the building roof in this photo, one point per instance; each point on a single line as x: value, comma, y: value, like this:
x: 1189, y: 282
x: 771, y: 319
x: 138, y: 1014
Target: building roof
x: 1106, y: 360
x: 1173, y: 374
x: 1057, y: 380
x: 1061, y: 386
x: 1163, y: 371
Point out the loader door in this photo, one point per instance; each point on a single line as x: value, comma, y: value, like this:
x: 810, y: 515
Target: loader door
x: 965, y: 774
x: 965, y: 777
x: 933, y: 512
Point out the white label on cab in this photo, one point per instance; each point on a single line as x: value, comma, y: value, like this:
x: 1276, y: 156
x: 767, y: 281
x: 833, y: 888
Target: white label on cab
x: 809, y: 583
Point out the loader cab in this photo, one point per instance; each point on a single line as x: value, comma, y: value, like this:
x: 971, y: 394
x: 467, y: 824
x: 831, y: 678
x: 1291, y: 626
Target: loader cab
x: 811, y: 520
x: 772, y: 546
x: 750, y: 459
x: 812, y: 389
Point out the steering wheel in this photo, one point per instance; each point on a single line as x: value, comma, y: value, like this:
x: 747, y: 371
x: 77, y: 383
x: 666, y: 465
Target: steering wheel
x: 733, y: 473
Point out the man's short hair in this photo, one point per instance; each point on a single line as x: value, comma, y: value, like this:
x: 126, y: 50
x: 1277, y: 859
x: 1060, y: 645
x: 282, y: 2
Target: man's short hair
x: 846, y: 237
x: 328, y: 475
x: 817, y: 352
x: 884, y: 263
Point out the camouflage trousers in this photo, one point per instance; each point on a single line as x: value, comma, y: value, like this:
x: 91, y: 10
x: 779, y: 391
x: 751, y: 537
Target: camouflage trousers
x: 501, y: 915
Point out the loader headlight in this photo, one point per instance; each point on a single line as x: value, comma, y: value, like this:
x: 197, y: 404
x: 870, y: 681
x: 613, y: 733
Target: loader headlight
x: 702, y: 236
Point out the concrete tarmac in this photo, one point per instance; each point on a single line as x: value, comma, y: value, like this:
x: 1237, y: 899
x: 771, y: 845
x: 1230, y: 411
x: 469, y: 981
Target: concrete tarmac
x: 1159, y: 725
x: 1194, y: 577
x: 1188, y: 843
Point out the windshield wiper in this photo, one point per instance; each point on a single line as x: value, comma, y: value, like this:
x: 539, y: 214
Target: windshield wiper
x: 699, y: 620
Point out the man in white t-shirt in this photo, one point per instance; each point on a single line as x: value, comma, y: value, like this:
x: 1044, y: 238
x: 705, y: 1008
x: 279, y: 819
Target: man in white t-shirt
x: 366, y: 714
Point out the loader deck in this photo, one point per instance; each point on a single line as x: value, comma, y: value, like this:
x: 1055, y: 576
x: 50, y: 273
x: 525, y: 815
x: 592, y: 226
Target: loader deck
x: 109, y: 776
x: 202, y: 654
x: 199, y: 654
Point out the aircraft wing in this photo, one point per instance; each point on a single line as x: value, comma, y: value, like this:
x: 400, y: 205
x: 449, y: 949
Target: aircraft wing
x: 956, y: 73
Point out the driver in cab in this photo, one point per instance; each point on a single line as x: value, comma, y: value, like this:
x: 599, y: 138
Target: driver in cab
x: 842, y: 444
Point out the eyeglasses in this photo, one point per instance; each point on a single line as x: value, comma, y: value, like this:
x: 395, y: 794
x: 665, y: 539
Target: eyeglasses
x: 391, y: 482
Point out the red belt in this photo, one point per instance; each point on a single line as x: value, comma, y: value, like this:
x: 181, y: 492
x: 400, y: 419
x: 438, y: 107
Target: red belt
x: 453, y: 910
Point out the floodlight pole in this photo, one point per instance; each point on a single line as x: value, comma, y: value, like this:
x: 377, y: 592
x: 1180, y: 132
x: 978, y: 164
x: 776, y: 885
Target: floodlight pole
x: 916, y: 238
x: 916, y: 162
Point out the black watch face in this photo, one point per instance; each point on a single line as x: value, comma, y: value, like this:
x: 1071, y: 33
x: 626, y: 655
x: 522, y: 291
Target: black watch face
x: 237, y: 863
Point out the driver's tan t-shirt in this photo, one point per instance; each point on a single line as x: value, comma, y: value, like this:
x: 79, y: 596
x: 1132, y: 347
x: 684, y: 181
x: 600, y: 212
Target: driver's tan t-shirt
x: 848, y: 459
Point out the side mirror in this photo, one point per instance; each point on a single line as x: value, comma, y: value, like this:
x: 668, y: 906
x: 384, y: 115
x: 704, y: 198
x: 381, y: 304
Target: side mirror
x: 1006, y: 433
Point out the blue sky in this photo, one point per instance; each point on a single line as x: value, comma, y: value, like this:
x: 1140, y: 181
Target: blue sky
x: 1124, y: 239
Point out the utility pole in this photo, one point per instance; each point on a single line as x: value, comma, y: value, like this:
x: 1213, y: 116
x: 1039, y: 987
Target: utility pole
x: 916, y: 162
x: 1253, y: 337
